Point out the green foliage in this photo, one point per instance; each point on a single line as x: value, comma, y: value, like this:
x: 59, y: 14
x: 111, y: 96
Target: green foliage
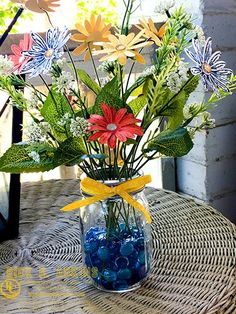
x: 70, y: 151
x: 107, y: 8
x: 7, y: 12
x: 110, y: 94
x: 17, y: 160
x: 17, y: 97
x: 174, y: 107
x: 174, y: 143
x: 88, y: 81
x: 137, y: 104
x: 53, y: 110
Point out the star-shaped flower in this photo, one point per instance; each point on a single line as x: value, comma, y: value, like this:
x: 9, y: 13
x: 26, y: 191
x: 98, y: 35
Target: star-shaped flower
x: 17, y: 58
x: 113, y: 125
x: 44, y: 52
x: 213, y: 73
x: 93, y: 30
x: 151, y: 31
x: 121, y: 47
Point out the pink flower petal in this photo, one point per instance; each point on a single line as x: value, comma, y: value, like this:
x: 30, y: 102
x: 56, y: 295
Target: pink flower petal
x: 134, y: 129
x: 119, y: 115
x: 16, y: 50
x: 104, y: 138
x: 97, y: 128
x: 112, y: 141
x: 108, y: 112
x: 97, y: 119
x: 121, y: 136
x: 95, y: 136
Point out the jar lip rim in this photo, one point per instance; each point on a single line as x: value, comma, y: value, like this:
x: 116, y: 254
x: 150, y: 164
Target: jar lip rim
x: 114, y: 182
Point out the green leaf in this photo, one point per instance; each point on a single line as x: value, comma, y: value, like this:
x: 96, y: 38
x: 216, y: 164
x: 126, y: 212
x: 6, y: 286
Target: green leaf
x: 137, y: 104
x: 53, y: 110
x: 175, y: 143
x: 110, y: 94
x: 70, y: 151
x: 88, y: 81
x: 138, y: 91
x: 175, y: 106
x: 139, y: 82
x: 17, y: 160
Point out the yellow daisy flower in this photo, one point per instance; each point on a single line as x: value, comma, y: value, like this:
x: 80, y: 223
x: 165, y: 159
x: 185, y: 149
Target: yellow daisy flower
x: 92, y: 31
x: 121, y: 47
x: 151, y: 31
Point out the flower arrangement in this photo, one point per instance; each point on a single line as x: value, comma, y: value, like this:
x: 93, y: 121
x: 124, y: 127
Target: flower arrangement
x: 118, y: 125
x: 108, y: 133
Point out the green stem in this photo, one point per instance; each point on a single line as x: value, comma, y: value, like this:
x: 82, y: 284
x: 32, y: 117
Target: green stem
x: 73, y: 65
x: 94, y: 65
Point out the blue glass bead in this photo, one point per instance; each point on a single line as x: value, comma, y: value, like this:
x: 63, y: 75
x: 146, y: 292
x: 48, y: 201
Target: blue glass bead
x: 120, y: 285
x: 126, y: 249
x: 122, y: 262
x: 142, y: 272
x: 90, y: 246
x: 133, y: 258
x: 96, y: 261
x: 88, y: 261
x: 124, y: 273
x: 122, y: 227
x: 102, y: 241
x: 109, y: 275
x: 141, y: 257
x: 103, y: 253
x: 92, y: 232
x: 139, y: 242
x: 105, y: 284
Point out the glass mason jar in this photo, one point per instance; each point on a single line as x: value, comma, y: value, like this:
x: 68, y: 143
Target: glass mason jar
x: 116, y: 242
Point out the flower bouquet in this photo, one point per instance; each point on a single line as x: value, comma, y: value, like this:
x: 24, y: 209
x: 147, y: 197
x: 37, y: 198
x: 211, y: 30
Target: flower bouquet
x: 111, y: 125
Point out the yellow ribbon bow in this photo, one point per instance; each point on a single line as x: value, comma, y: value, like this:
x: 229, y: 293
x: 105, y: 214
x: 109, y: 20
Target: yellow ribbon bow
x: 102, y: 191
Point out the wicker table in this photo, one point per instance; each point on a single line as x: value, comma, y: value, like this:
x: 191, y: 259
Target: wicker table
x: 194, y: 268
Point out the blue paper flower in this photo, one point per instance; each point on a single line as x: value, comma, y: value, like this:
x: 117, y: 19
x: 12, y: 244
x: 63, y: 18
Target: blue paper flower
x: 213, y: 73
x: 44, y: 52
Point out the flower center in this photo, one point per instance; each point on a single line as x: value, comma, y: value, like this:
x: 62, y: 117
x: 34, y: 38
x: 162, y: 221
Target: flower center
x: 49, y: 53
x: 111, y: 127
x: 206, y: 68
x: 120, y: 47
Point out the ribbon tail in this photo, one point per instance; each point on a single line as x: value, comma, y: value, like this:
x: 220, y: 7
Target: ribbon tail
x: 84, y: 202
x: 129, y: 199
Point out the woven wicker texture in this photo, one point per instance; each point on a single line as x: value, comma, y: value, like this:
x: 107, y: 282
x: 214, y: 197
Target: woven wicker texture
x: 194, y: 267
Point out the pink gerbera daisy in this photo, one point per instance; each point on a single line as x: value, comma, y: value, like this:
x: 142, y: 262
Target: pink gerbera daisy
x: 113, y: 125
x: 17, y: 58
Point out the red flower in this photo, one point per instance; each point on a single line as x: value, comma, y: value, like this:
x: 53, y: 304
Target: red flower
x: 113, y: 125
x: 19, y: 60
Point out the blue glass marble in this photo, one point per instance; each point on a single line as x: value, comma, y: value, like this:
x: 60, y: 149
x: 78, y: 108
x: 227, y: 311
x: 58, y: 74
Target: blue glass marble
x: 88, y: 261
x: 141, y: 257
x: 103, y: 253
x: 126, y: 249
x: 122, y: 262
x: 120, y: 285
x: 139, y: 242
x: 119, y: 258
x: 90, y: 246
x: 142, y: 272
x: 109, y: 275
x: 124, y: 273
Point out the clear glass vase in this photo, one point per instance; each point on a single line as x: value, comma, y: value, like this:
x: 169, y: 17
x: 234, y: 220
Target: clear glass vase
x: 116, y: 243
